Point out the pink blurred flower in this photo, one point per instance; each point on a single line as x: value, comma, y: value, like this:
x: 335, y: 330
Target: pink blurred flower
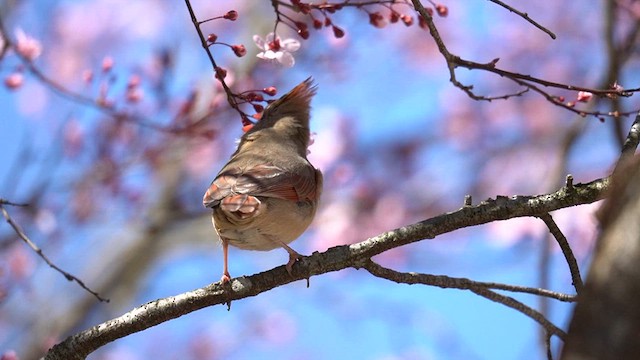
x: 27, y: 46
x: 134, y: 94
x: 376, y: 19
x: 584, y: 96
x: 9, y: 355
x: 73, y: 136
x: 508, y: 233
x: 20, y: 262
x: 45, y: 221
x: 442, y: 10
x: 87, y: 76
x: 107, y: 63
x: 14, y: 81
x: 273, y: 48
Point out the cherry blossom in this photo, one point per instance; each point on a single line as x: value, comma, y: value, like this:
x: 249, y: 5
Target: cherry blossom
x: 584, y: 96
x: 273, y: 48
x: 14, y: 80
x: 27, y: 46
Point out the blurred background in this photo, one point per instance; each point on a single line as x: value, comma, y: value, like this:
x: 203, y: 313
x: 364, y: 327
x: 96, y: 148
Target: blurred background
x: 116, y: 200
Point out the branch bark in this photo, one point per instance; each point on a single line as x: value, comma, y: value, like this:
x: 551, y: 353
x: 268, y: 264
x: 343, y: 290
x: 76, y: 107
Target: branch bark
x: 80, y: 345
x: 606, y: 321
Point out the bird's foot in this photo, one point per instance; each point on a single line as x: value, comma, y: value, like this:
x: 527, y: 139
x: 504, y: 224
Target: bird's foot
x: 225, y: 278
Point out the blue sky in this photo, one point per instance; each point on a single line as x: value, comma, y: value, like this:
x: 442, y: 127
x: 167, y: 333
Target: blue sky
x: 394, y: 93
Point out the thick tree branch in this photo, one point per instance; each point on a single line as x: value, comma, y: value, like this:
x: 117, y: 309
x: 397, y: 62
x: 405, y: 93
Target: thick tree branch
x: 606, y: 321
x: 337, y: 258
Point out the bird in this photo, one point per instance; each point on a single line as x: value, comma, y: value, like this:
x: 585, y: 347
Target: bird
x: 268, y: 192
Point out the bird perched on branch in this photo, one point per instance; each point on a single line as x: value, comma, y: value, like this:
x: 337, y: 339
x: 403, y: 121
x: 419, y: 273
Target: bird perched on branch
x: 267, y: 194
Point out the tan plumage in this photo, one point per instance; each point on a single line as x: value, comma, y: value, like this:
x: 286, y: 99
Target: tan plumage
x: 267, y: 194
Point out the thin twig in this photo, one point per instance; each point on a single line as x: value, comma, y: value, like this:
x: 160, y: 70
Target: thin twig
x: 633, y: 138
x: 231, y: 97
x: 447, y: 282
x: 7, y: 202
x: 566, y: 251
x: 526, y: 17
x: 630, y: 144
x: 38, y: 251
x: 547, y: 345
x: 527, y: 81
x: 414, y: 278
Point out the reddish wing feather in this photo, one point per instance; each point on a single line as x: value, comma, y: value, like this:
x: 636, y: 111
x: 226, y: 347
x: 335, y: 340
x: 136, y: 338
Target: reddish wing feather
x: 261, y: 180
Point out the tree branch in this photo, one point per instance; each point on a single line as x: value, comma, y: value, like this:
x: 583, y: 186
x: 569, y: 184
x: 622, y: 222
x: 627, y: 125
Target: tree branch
x: 526, y: 81
x: 447, y: 282
x: 337, y: 258
x: 566, y: 251
x: 463, y: 284
x: 40, y: 253
x: 526, y: 17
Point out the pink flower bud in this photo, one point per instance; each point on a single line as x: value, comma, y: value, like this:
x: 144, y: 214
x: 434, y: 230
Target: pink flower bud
x: 134, y: 81
x: 254, y: 97
x: 14, y: 81
x: 407, y: 19
x: 211, y: 38
x: 107, y: 63
x: 239, y: 50
x: 271, y: 91
x: 584, y: 96
x: 220, y: 73
x: 134, y: 95
x: 377, y: 20
x: 231, y: 15
x: 442, y: 10
x: 27, y: 46
x: 304, y: 33
x: 87, y: 76
x: 337, y: 32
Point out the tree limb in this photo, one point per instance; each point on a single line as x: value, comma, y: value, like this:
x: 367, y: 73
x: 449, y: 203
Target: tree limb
x: 566, y: 251
x: 78, y: 346
x: 465, y: 284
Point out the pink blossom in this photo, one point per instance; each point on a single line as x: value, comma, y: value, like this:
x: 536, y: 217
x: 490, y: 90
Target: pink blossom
x: 27, y: 46
x: 273, y: 48
x: 107, y: 63
x: 9, y: 355
x: 14, y: 81
x: 19, y: 263
x: 442, y: 10
x: 134, y: 94
x: 584, y: 96
x: 74, y: 137
x: 87, y: 76
x: 376, y: 19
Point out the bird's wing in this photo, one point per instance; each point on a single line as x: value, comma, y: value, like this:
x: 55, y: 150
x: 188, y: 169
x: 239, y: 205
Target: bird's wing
x: 261, y: 180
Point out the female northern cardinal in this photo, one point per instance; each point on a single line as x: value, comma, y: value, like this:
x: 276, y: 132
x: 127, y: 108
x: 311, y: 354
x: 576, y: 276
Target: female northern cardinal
x: 267, y: 194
